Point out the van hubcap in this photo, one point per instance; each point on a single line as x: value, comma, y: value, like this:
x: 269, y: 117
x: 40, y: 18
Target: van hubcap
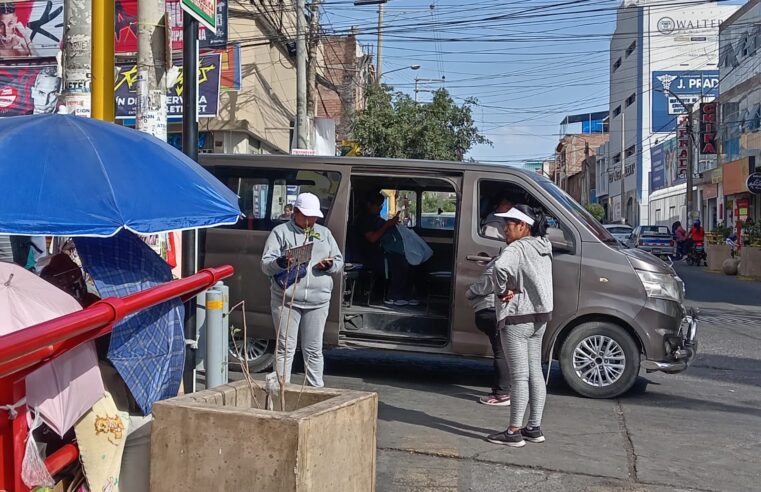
x: 599, y: 361
x: 254, y: 348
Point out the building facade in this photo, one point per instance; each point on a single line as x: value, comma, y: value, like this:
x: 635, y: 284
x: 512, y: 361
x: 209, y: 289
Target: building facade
x: 739, y: 119
x: 574, y: 169
x: 663, y: 56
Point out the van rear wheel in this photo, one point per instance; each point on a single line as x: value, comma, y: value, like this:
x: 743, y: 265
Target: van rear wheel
x: 600, y: 360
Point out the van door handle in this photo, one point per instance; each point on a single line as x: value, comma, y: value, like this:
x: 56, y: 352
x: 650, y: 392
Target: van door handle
x: 479, y: 258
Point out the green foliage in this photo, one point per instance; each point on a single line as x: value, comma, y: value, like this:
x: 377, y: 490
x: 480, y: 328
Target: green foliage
x: 596, y: 210
x: 722, y: 233
x: 394, y: 125
x: 433, y: 201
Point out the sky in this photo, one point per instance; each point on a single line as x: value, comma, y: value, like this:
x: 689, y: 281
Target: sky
x: 528, y: 62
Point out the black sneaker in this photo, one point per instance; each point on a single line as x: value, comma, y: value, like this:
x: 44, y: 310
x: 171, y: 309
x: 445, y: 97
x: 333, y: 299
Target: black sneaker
x: 532, y: 434
x: 507, y: 438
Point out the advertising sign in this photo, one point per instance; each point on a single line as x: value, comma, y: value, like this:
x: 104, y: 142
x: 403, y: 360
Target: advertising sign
x: 691, y: 86
x: 754, y: 183
x: 657, y: 168
x: 208, y: 90
x: 30, y: 28
x: 683, y: 150
x: 708, y: 128
x: 126, y: 27
x: 230, y: 61
x: 205, y: 11
x: 28, y: 90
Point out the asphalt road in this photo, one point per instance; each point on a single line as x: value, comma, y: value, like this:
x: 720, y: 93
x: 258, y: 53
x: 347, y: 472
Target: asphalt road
x: 699, y: 430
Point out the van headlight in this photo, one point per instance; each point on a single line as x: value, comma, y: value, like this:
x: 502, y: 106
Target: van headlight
x: 662, y: 285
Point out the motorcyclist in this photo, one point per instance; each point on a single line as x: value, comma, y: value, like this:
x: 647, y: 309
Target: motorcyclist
x: 695, y: 236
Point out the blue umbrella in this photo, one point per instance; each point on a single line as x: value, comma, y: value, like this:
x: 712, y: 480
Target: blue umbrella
x: 74, y: 176
x: 147, y: 348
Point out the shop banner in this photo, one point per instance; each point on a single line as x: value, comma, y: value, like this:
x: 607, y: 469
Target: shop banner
x: 208, y: 90
x: 708, y: 128
x: 231, y: 75
x: 683, y: 144
x: 126, y: 27
x: 30, y: 28
x: 691, y: 86
x: 28, y: 90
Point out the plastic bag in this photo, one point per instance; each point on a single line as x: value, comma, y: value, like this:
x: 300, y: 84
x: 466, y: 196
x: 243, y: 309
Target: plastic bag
x: 416, y: 250
x: 33, y: 470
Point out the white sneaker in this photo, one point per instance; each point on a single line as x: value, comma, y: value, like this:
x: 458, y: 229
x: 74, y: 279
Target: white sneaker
x: 388, y: 302
x: 413, y: 302
x: 401, y: 302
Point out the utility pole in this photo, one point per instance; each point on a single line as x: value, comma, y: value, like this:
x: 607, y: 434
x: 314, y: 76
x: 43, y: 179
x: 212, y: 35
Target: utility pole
x: 151, y: 68
x: 302, y: 128
x: 623, y: 163
x: 379, y: 61
x: 77, y: 69
x: 314, y: 41
x: 690, y: 154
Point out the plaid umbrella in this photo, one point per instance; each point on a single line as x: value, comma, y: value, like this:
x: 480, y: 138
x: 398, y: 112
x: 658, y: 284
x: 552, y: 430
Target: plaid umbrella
x: 147, y: 348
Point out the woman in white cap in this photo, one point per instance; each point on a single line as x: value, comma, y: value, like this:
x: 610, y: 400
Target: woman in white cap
x: 524, y: 303
x: 300, y: 306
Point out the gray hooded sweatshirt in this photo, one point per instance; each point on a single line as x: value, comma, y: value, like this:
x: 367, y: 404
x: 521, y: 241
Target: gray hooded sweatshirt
x: 313, y: 291
x: 525, y: 267
x: 481, y: 293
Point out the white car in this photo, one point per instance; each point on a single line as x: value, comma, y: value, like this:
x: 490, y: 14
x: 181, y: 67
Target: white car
x: 622, y: 232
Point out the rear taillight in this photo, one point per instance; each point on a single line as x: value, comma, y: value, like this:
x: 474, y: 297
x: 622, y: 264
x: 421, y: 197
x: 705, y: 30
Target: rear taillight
x: 671, y: 243
x: 641, y: 242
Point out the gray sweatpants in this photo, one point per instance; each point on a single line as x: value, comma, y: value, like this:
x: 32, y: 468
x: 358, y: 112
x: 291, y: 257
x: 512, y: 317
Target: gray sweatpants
x: 310, y: 324
x: 523, y: 347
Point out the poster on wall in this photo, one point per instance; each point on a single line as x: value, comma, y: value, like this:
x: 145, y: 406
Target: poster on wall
x: 125, y: 38
x: 30, y: 28
x: 669, y: 87
x: 657, y: 168
x: 28, y: 90
x: 683, y: 144
x: 208, y: 90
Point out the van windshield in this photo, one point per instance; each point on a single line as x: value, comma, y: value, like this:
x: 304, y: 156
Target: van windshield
x: 578, y: 211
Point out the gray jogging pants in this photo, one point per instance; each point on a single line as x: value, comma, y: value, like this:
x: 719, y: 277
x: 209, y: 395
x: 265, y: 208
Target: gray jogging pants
x: 522, y: 344
x: 310, y: 325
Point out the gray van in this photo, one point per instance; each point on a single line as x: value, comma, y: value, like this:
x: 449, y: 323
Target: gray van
x: 617, y: 310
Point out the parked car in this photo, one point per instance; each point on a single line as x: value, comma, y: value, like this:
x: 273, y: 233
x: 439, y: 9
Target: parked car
x: 620, y: 231
x: 617, y: 310
x: 656, y: 240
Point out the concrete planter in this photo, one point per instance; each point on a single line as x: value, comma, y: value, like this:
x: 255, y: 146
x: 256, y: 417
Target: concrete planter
x: 215, y: 440
x: 716, y: 254
x: 750, y: 262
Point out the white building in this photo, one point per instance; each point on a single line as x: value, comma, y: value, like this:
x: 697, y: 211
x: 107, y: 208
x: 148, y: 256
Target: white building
x: 658, y: 46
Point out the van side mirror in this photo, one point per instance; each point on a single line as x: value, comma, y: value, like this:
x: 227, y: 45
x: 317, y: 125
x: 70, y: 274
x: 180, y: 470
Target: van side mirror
x: 558, y: 240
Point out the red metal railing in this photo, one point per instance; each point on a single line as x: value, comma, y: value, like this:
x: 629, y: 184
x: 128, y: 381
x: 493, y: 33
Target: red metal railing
x: 25, y: 350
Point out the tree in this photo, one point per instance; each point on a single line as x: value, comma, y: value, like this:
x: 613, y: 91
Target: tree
x: 596, y: 210
x: 394, y: 125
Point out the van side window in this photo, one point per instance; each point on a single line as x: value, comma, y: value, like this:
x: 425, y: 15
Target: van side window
x: 439, y: 211
x: 404, y: 203
x: 266, y: 196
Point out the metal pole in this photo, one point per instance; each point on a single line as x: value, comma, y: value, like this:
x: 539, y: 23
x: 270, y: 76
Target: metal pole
x: 216, y: 342
x: 313, y: 40
x: 190, y: 148
x: 77, y: 69
x: 302, y: 139
x: 379, y: 61
x: 151, y: 68
x: 103, y: 60
x: 623, y: 163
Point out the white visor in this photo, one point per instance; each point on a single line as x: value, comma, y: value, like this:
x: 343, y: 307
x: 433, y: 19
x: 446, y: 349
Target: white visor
x: 516, y: 214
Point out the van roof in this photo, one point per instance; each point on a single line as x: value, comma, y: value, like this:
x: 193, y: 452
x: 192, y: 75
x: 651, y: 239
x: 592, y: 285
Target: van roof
x: 214, y: 159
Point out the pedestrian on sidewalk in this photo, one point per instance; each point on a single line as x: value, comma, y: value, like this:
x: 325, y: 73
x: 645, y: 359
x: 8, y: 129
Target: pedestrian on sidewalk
x: 481, y: 297
x: 524, y: 303
x: 301, y: 306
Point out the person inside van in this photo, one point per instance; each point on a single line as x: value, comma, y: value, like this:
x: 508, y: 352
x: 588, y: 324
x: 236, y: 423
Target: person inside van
x: 524, y: 304
x: 493, y: 226
x: 383, y: 251
x: 481, y: 297
x: 300, y: 293
x: 287, y: 212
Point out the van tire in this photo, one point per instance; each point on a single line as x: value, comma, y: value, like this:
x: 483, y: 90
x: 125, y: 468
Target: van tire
x: 618, y: 342
x: 261, y: 357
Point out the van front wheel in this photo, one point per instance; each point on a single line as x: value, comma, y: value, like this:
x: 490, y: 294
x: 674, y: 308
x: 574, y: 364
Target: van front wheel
x: 600, y: 360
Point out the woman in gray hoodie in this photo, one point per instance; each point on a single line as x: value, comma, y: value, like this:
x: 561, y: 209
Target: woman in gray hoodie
x: 302, y: 307
x: 524, y: 303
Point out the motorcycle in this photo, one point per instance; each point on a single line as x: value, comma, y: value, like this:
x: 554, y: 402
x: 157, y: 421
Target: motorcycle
x: 696, y: 254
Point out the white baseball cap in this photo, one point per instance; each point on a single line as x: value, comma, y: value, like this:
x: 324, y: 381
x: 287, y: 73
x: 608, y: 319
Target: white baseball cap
x: 308, y: 204
x: 516, y: 214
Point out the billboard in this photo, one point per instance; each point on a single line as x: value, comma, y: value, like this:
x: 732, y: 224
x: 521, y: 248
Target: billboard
x: 125, y: 25
x: 209, y: 72
x: 657, y: 168
x: 28, y: 90
x: 30, y: 28
x: 668, y: 87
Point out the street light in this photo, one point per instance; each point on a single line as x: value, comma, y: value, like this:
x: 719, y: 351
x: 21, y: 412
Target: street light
x: 409, y: 67
x: 689, y: 109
